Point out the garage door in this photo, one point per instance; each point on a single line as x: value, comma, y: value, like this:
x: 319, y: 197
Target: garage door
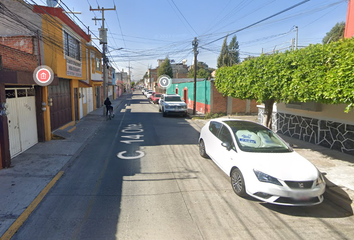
x: 60, y: 111
x: 22, y: 122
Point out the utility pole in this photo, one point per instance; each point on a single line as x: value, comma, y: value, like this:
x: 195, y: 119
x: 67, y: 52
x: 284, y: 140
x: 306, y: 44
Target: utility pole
x: 129, y: 79
x: 195, y: 47
x: 297, y: 37
x: 150, y: 76
x: 103, y: 41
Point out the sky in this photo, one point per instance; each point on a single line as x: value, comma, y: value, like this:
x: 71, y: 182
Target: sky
x: 146, y: 31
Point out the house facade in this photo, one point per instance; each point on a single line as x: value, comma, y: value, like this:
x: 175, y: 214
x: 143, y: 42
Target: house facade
x: 96, y: 76
x: 21, y: 118
x: 43, y: 36
x: 121, y: 82
x: 66, y: 53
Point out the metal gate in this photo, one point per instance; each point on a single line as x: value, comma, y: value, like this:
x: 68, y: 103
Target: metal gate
x: 60, y: 112
x: 22, y: 121
x: 89, y: 94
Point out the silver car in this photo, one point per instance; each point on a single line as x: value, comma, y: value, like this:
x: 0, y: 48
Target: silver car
x: 172, y: 104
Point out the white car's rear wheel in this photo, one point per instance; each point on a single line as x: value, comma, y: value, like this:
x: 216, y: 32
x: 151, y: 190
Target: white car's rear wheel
x: 238, y: 183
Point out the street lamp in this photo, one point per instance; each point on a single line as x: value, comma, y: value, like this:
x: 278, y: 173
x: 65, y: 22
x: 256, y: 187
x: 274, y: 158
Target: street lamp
x: 115, y: 50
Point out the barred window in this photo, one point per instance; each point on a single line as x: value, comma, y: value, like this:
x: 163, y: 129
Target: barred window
x: 71, y: 46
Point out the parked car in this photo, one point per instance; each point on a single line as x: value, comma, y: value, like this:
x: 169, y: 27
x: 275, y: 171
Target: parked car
x: 155, y: 97
x: 149, y: 93
x: 172, y: 104
x: 146, y: 92
x: 260, y: 163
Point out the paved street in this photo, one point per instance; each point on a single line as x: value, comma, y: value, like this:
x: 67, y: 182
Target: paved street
x: 140, y: 176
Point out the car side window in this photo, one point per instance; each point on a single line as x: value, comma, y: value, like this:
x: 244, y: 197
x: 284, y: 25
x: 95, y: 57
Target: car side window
x: 214, y: 128
x: 225, y: 136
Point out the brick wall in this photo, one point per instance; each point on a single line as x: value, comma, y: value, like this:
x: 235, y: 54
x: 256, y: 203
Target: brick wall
x: 219, y: 101
x: 238, y: 105
x: 17, y: 60
x: 23, y: 43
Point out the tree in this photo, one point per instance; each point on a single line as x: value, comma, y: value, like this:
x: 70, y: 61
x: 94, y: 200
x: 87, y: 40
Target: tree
x: 318, y: 73
x: 165, y: 68
x: 203, y: 71
x: 234, y: 54
x: 223, y: 57
x: 336, y: 33
x: 229, y: 54
x: 146, y: 75
x: 248, y: 58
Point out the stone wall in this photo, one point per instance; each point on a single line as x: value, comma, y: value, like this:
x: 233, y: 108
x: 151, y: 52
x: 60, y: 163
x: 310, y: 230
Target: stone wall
x: 333, y: 135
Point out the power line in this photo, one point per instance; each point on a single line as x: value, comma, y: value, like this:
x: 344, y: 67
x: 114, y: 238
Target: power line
x: 264, y: 19
x: 184, y: 17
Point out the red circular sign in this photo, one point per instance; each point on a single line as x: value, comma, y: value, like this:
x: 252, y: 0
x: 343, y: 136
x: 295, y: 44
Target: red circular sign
x: 43, y: 75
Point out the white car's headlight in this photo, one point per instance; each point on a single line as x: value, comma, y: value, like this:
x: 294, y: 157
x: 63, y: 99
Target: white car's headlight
x: 320, y: 179
x: 266, y: 178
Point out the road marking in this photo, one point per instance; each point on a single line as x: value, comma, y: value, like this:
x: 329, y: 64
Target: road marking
x: 23, y: 217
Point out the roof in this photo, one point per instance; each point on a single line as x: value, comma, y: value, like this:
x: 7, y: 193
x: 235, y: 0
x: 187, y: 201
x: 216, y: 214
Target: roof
x: 58, y: 12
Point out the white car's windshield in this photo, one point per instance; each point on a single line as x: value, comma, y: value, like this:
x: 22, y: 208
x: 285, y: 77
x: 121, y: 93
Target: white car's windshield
x: 251, y: 137
x: 173, y: 99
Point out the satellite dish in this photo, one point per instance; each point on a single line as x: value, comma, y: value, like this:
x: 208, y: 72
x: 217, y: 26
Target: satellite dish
x: 53, y: 3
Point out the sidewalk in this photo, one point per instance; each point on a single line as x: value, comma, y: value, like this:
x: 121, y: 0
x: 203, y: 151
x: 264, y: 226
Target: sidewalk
x: 33, y: 169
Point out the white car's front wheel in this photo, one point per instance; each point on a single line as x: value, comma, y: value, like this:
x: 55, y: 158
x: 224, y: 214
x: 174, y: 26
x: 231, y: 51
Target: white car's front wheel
x: 238, y: 183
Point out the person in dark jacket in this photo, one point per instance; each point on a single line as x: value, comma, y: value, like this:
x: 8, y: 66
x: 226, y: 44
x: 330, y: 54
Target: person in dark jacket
x: 108, y: 104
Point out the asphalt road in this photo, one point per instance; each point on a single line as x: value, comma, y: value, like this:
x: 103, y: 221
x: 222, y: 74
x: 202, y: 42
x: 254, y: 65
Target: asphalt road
x: 141, y: 177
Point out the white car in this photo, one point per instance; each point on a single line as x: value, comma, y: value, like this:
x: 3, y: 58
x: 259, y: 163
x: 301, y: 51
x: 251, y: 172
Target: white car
x: 172, y: 104
x: 260, y: 163
x: 147, y: 92
x: 148, y: 95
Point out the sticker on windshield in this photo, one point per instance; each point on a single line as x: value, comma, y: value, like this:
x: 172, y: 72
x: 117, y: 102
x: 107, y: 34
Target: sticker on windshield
x: 247, y: 139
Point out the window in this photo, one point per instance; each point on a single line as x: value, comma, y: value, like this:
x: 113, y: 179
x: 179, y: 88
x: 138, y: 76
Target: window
x: 214, y: 128
x: 71, y: 46
x: 98, y: 64
x: 173, y: 99
x: 225, y: 137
